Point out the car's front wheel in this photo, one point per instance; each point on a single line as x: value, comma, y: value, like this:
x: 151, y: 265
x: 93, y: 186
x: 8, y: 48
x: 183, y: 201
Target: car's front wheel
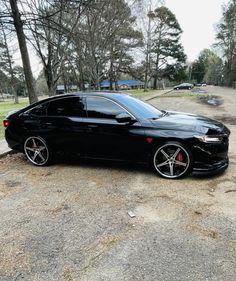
x: 172, y: 160
x: 37, y: 151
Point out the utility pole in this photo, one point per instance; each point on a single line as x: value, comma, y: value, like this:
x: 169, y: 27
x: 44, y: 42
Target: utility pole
x: 24, y: 51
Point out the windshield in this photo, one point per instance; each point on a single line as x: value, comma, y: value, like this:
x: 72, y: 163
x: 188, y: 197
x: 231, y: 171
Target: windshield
x: 141, y: 109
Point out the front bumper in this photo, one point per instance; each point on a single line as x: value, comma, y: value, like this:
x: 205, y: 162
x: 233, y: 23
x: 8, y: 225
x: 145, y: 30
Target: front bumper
x: 211, y: 159
x: 211, y: 169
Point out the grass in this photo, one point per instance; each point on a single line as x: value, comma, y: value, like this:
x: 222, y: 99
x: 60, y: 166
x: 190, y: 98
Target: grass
x: 6, y: 106
x: 139, y: 93
x: 167, y: 93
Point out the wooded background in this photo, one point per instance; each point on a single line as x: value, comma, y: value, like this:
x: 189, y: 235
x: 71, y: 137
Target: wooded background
x: 83, y: 42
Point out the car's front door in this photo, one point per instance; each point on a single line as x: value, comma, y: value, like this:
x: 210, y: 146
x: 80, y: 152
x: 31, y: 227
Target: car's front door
x: 106, y: 137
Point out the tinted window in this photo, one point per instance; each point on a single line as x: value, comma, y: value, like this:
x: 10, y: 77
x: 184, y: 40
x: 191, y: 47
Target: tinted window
x: 139, y: 108
x: 73, y: 107
x: 39, y: 110
x: 102, y: 108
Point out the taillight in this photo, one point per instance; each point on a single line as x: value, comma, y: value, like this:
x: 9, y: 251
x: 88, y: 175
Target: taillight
x: 6, y: 123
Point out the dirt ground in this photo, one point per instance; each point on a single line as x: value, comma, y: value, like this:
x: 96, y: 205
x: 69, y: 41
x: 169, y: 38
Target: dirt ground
x: 70, y: 221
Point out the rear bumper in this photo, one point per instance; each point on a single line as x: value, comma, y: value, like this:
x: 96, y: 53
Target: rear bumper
x: 12, y: 142
x: 211, y: 169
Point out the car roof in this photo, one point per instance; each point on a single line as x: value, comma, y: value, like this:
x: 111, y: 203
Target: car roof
x: 113, y: 95
x: 110, y: 94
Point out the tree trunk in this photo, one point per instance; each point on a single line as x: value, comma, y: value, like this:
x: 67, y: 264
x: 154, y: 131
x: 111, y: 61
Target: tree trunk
x: 111, y: 81
x: 49, y: 80
x: 24, y: 51
x: 147, y: 60
x: 116, y: 85
x: 81, y: 77
x: 155, y: 82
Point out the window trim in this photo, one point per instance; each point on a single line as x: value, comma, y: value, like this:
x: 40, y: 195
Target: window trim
x: 111, y: 100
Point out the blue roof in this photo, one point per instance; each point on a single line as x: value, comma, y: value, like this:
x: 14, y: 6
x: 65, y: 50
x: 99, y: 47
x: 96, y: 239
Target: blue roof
x: 106, y: 83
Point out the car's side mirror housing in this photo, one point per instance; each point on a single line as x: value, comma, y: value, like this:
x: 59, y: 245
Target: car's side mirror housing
x: 124, y: 118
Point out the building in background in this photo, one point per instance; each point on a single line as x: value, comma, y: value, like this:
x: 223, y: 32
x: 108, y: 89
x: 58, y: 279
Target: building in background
x: 122, y: 84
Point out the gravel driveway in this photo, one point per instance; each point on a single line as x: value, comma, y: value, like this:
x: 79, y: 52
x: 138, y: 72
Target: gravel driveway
x: 69, y: 221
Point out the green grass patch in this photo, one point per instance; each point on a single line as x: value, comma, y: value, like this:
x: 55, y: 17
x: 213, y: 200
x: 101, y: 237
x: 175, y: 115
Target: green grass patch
x: 6, y: 106
x: 141, y: 94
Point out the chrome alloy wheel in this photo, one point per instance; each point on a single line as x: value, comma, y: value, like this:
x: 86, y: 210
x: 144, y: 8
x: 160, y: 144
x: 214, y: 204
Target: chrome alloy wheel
x: 171, y: 160
x: 36, y: 151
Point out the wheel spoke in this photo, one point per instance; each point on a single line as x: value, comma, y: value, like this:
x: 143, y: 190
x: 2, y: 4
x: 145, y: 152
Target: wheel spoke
x: 41, y: 148
x: 41, y: 156
x: 30, y: 149
x: 35, y: 155
x: 171, y: 169
x: 176, y: 153
x: 163, y: 164
x: 180, y: 163
x: 165, y: 154
x: 34, y: 143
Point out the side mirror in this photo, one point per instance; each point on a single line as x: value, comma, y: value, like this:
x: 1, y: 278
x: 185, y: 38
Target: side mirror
x: 124, y: 118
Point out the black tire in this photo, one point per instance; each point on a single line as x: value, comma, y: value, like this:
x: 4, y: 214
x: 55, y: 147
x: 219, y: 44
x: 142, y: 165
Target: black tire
x: 172, y: 160
x: 37, y: 151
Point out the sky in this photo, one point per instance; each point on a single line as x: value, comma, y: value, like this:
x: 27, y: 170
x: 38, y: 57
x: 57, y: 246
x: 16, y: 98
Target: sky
x: 198, y: 19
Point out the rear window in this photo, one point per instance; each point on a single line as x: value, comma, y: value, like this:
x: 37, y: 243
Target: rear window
x: 73, y: 107
x: 39, y: 110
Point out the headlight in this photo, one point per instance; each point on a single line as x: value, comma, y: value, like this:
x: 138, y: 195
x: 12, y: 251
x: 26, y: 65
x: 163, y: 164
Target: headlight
x: 209, y: 139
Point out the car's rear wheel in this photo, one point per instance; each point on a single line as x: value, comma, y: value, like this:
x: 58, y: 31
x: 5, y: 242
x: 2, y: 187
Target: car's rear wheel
x: 37, y: 151
x: 172, y: 160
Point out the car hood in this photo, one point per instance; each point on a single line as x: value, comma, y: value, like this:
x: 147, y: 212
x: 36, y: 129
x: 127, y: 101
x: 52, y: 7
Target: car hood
x: 189, y: 122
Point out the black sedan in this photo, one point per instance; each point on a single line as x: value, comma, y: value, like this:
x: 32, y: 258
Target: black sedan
x: 118, y: 126
x: 183, y: 86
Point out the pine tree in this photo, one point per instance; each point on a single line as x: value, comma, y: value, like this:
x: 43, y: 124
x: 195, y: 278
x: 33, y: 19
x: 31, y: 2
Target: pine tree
x: 166, y: 48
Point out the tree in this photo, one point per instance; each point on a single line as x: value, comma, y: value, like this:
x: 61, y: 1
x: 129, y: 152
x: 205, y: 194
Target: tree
x: 226, y: 41
x: 208, y: 67
x: 122, y: 42
x: 215, y: 70
x: 143, y: 9
x: 176, y: 72
x: 52, y: 29
x: 19, y: 80
x: 6, y: 61
x: 104, y: 40
x: 18, y: 24
x: 166, y: 48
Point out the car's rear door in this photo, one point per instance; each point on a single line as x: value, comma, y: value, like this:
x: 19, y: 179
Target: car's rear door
x: 63, y: 125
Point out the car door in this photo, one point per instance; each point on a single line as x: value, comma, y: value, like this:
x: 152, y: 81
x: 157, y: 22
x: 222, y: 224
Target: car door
x: 105, y: 136
x: 63, y: 126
